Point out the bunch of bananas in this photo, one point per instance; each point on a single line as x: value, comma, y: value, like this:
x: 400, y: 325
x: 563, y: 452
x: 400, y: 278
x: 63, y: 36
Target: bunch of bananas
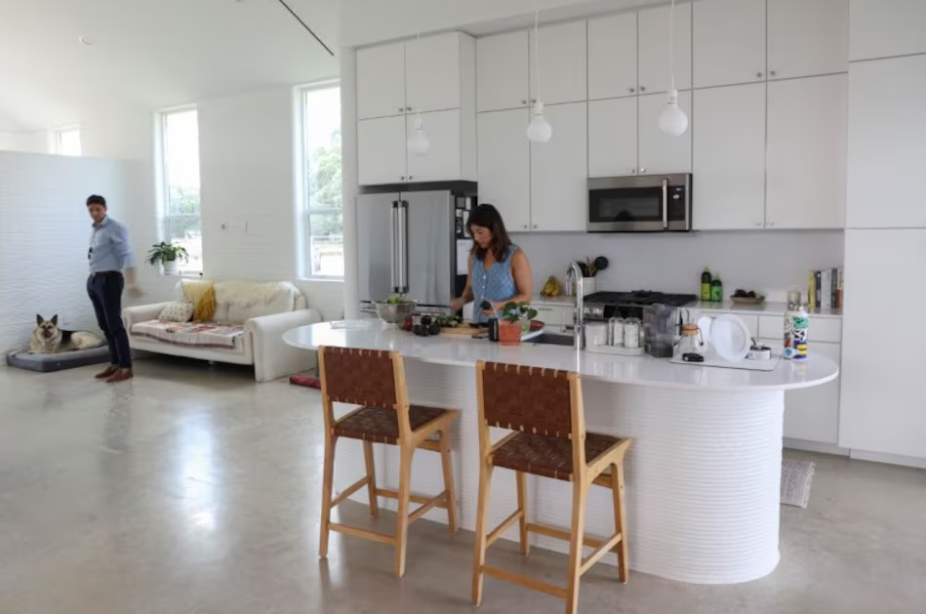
x: 552, y: 287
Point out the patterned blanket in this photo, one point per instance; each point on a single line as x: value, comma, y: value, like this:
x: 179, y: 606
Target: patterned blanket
x: 225, y: 336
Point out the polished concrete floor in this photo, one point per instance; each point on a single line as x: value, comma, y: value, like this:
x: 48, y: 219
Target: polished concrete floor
x: 193, y: 490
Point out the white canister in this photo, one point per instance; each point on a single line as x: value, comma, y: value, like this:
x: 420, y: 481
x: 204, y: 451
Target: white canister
x: 632, y: 336
x: 596, y: 333
x: 616, y: 332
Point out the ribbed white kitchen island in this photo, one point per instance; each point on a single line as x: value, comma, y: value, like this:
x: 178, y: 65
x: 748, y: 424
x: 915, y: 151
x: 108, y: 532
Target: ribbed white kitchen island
x: 703, y: 475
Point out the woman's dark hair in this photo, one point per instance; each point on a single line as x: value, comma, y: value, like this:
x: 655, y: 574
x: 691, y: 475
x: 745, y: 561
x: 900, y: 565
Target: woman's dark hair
x: 487, y: 216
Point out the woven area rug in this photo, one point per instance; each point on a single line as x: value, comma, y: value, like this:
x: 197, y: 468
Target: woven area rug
x: 308, y: 380
x: 796, y: 479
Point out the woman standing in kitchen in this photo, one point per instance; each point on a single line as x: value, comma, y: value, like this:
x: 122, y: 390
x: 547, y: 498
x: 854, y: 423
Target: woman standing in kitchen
x: 499, y: 271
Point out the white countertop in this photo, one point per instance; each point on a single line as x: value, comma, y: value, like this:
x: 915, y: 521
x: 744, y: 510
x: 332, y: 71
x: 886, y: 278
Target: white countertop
x: 636, y: 370
x: 768, y: 309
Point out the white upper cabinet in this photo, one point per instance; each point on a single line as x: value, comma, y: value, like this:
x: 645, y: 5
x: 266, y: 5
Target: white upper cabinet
x: 442, y: 161
x: 505, y: 166
x: 559, y: 171
x: 883, y: 28
x: 660, y: 152
x: 432, y: 72
x: 612, y: 137
x: 807, y: 37
x: 887, y: 143
x: 502, y: 69
x: 612, y: 56
x: 729, y: 158
x: 653, y: 45
x: 381, y: 150
x: 381, y: 81
x: 563, y: 63
x: 729, y: 42
x: 806, y: 166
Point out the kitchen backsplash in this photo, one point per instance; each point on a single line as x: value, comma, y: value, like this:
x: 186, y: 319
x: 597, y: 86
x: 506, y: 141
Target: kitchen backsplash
x: 768, y: 262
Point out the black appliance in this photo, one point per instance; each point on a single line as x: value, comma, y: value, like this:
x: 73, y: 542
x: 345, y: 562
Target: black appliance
x: 602, y: 306
x: 651, y: 203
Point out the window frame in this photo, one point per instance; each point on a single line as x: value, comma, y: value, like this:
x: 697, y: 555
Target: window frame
x: 307, y: 211
x: 164, y: 187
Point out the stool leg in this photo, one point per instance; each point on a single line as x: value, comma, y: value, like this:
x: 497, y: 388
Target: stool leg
x: 482, y: 513
x: 327, y: 486
x: 620, y: 520
x: 522, y: 506
x: 371, y: 477
x: 401, y: 534
x: 579, y: 491
x: 447, y: 462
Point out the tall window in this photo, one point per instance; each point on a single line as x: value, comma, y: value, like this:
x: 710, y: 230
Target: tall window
x: 182, y: 221
x: 68, y: 141
x: 322, y: 125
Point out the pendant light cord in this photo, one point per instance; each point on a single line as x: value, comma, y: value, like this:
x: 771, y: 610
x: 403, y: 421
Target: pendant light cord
x: 672, y: 43
x: 537, y: 50
x: 418, y: 61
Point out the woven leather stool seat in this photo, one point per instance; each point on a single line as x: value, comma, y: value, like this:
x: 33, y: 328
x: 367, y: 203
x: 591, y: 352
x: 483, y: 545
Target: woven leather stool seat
x: 382, y: 425
x: 548, y: 456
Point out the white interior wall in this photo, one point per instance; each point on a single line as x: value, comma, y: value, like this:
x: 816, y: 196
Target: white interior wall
x: 33, y: 141
x: 44, y: 235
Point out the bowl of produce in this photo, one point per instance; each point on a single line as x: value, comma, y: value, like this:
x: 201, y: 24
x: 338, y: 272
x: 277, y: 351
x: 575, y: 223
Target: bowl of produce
x: 395, y: 308
x: 742, y: 297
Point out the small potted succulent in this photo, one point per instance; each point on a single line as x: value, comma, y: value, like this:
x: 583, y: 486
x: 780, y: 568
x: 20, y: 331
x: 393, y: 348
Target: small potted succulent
x: 168, y: 255
x: 516, y: 319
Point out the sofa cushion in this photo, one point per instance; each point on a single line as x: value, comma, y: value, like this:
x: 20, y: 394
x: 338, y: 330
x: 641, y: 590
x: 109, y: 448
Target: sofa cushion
x: 242, y: 313
x: 177, y: 312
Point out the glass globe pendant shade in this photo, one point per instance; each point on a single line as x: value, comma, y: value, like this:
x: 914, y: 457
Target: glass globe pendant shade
x: 419, y: 143
x: 539, y: 130
x: 673, y: 120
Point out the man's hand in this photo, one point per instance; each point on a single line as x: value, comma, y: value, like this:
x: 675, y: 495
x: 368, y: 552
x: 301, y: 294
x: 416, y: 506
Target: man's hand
x: 134, y: 292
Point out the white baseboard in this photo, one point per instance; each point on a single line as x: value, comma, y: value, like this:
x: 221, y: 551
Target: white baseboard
x: 815, y: 446
x: 890, y: 459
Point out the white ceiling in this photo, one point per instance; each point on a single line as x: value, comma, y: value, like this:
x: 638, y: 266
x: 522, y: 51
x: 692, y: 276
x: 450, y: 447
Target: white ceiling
x: 151, y: 53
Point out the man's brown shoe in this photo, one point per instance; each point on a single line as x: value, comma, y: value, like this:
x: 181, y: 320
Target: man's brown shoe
x: 120, y: 376
x: 109, y: 372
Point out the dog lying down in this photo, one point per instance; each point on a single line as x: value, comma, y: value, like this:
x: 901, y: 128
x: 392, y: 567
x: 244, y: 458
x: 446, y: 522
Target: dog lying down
x: 49, y: 339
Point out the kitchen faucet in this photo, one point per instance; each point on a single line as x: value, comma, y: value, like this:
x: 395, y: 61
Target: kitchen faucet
x: 579, y: 319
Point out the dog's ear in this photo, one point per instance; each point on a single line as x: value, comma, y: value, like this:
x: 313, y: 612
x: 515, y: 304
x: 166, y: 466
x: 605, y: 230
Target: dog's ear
x: 54, y: 319
x: 38, y: 319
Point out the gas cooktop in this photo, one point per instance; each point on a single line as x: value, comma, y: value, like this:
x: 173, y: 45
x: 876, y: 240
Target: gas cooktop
x: 639, y: 298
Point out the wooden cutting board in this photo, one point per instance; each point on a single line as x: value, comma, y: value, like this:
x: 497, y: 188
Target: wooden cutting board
x: 463, y: 331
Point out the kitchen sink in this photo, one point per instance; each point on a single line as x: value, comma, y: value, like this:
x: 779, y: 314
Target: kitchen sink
x: 552, y: 339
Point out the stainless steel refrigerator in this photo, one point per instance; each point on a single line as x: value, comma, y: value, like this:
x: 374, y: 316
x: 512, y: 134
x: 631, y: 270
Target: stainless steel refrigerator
x: 414, y: 242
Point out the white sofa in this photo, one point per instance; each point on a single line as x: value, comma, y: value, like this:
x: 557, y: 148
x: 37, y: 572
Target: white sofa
x: 261, y: 344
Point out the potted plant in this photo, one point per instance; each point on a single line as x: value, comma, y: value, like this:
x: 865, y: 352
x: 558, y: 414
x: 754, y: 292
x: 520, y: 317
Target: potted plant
x: 516, y: 318
x: 168, y: 255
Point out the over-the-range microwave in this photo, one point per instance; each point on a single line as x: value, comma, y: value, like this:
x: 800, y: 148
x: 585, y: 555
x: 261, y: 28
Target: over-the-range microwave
x: 656, y: 203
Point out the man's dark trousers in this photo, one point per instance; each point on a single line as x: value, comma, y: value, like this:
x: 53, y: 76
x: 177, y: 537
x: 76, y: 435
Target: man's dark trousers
x: 105, y: 290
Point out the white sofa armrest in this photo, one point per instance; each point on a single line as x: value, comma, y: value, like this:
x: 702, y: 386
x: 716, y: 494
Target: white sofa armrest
x: 141, y: 313
x: 274, y: 359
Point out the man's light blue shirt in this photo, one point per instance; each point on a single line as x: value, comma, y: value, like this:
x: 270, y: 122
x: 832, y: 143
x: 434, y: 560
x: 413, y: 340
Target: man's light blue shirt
x: 109, y: 247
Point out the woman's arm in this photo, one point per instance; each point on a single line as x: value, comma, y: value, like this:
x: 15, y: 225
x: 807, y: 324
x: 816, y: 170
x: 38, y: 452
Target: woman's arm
x: 467, y: 296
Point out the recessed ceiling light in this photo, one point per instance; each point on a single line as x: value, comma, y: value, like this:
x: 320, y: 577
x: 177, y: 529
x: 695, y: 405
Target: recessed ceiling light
x: 86, y: 41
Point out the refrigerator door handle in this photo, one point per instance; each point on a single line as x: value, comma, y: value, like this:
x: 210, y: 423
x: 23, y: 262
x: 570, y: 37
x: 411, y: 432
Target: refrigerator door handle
x: 394, y: 282
x: 403, y: 247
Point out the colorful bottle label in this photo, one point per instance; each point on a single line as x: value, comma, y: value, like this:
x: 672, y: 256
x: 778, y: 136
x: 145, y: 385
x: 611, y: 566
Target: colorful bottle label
x: 795, y: 341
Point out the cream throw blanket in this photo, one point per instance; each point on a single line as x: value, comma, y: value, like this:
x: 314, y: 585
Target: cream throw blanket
x: 250, y: 293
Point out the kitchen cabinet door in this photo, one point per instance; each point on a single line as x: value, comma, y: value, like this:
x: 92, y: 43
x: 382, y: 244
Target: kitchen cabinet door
x: 381, y: 150
x: 887, y: 144
x: 612, y: 137
x: 381, y: 81
x: 563, y: 64
x: 442, y: 161
x: 653, y: 45
x: 882, y: 407
x: 885, y: 28
x: 612, y: 56
x: 661, y: 152
x: 729, y: 158
x: 505, y: 166
x: 729, y: 42
x: 502, y: 69
x: 807, y: 38
x: 807, y: 148
x: 812, y: 414
x: 432, y: 69
x: 559, y: 171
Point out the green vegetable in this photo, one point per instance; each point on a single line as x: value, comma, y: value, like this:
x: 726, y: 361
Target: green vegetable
x: 395, y: 299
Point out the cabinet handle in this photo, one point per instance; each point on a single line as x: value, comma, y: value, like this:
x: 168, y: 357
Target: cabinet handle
x: 642, y: 89
x: 533, y: 100
x: 535, y: 226
x: 523, y: 102
x: 773, y: 73
x: 759, y: 75
x: 524, y: 226
x: 633, y: 171
x: 759, y: 224
x: 409, y: 109
x: 410, y: 177
x: 771, y: 224
x: 402, y: 177
x: 632, y: 90
x: 642, y: 170
x: 401, y: 109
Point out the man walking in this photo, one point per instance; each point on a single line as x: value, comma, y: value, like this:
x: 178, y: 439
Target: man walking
x: 110, y: 254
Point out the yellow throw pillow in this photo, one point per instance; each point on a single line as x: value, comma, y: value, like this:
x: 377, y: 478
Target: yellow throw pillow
x: 202, y: 294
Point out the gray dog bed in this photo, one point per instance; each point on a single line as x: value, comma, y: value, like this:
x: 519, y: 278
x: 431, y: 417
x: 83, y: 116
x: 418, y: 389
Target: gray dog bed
x: 46, y: 363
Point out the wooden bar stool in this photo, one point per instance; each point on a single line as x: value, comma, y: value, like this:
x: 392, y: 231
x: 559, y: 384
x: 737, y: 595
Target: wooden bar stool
x: 544, y: 408
x: 375, y: 381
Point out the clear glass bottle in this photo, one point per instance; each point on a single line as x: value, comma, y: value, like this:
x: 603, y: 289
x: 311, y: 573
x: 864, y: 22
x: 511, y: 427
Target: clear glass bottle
x: 691, y: 344
x: 633, y: 337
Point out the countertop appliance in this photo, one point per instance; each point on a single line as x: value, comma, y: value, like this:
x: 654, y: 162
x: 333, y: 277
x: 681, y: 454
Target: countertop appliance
x: 413, y: 241
x: 606, y: 305
x: 640, y: 203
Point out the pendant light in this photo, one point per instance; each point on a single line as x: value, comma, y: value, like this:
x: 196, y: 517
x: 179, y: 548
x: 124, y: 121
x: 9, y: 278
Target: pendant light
x: 539, y: 130
x: 418, y: 142
x: 672, y: 120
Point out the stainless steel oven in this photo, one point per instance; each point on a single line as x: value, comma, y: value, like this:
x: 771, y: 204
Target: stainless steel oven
x: 658, y: 203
